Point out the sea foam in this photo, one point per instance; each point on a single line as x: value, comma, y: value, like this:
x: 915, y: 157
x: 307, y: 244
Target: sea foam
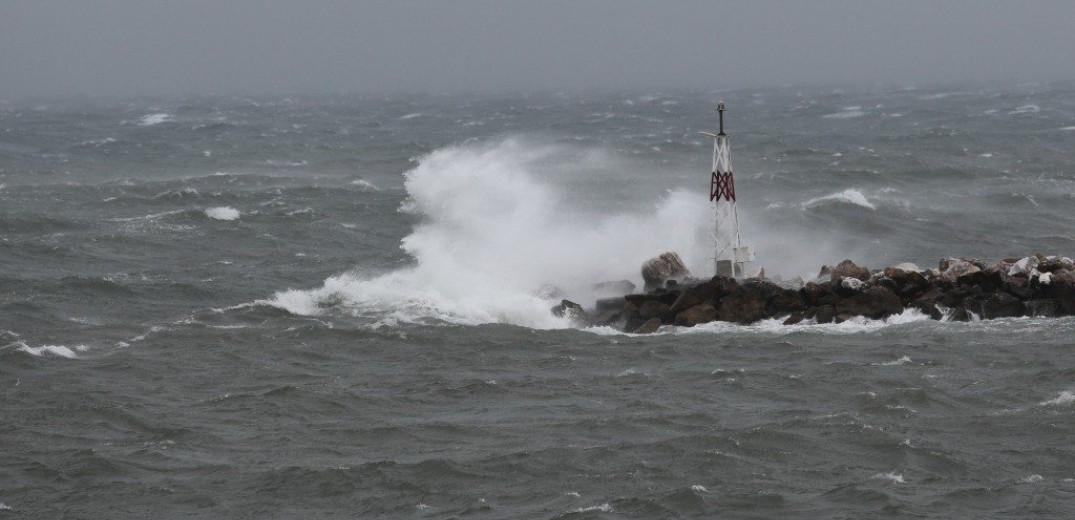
x: 154, y: 119
x: 222, y: 213
x: 55, y: 350
x: 848, y: 196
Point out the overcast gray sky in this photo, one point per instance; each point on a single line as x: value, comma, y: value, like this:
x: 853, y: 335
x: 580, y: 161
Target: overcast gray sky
x: 134, y: 47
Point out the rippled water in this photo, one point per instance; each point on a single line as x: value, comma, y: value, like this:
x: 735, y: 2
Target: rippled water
x: 338, y: 307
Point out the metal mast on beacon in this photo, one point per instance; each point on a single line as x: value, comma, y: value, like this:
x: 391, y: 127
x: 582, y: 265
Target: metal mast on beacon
x: 729, y: 255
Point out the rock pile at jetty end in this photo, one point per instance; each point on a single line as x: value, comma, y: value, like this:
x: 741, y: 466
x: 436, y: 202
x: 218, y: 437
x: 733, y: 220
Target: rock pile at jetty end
x: 958, y: 289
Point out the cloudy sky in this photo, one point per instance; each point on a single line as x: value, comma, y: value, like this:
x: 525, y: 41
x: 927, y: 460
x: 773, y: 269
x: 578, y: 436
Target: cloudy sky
x: 136, y: 47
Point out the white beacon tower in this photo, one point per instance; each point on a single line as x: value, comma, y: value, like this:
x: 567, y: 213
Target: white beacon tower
x: 729, y: 255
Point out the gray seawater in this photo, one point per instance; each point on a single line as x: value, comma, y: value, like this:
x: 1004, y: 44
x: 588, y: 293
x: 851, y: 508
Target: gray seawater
x: 337, y: 307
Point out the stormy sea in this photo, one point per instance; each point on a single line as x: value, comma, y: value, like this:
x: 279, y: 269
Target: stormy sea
x: 339, y: 307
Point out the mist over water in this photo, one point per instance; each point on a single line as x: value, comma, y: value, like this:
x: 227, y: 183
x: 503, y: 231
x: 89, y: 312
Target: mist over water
x: 339, y: 306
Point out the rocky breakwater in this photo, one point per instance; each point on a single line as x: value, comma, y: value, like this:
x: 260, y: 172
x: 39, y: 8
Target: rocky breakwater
x: 959, y: 289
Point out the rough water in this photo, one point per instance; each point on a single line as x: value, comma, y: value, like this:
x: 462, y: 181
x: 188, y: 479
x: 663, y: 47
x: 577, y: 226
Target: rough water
x: 339, y: 307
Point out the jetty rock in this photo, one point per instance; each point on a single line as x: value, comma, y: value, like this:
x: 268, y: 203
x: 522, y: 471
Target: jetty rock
x: 959, y: 289
x: 668, y: 266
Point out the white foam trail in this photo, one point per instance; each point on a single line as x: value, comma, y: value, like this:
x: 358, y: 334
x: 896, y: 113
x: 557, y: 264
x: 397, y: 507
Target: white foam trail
x: 494, y: 242
x: 410, y: 116
x: 1026, y: 109
x: 893, y: 477
x: 364, y: 184
x: 857, y: 325
x: 901, y: 361
x: 848, y: 196
x: 154, y: 119
x: 846, y: 113
x: 55, y: 350
x: 1066, y: 398
x: 223, y: 213
x: 604, y: 508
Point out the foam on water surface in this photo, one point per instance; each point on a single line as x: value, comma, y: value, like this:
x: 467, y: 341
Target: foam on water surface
x: 154, y: 119
x: 223, y: 213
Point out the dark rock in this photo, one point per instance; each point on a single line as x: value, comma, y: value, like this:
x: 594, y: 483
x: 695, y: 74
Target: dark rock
x: 814, y: 294
x: 702, y: 313
x: 652, y: 309
x: 795, y: 317
x: 784, y: 302
x: 1050, y: 266
x: 959, y: 314
x: 1043, y: 308
x: 707, y: 291
x: 661, y: 295
x: 667, y: 266
x: 1019, y: 287
x: 988, y: 280
x: 571, y: 310
x: 649, y: 327
x: 1062, y: 289
x: 996, y: 305
x: 848, y: 269
x: 825, y: 314
x: 746, y: 303
x: 874, y: 302
x: 630, y: 316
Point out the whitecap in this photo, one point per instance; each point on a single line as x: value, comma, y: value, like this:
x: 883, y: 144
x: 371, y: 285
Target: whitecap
x: 410, y: 116
x: 1026, y: 109
x: 893, y: 477
x: 697, y: 488
x: 901, y: 361
x: 846, y: 113
x: 1032, y: 479
x: 1067, y: 128
x: 364, y: 184
x: 154, y: 119
x: 604, y: 508
x: 848, y: 196
x: 1065, y: 398
x: 222, y: 213
x: 55, y: 350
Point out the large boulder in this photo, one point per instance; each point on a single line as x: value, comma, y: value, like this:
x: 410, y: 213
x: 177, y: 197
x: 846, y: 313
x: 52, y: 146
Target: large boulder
x: 652, y: 309
x: 1061, y: 288
x: 848, y: 269
x: 786, y: 301
x: 995, y: 305
x: 707, y: 291
x: 815, y: 294
x: 571, y: 310
x: 746, y: 304
x: 702, y: 313
x: 953, y: 268
x: 649, y: 327
x: 1024, y: 266
x: 667, y: 266
x: 874, y: 302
